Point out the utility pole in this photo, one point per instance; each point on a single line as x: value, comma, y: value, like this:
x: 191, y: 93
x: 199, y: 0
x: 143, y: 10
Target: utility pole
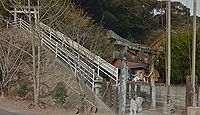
x: 168, y: 51
x: 194, y: 101
x: 168, y: 105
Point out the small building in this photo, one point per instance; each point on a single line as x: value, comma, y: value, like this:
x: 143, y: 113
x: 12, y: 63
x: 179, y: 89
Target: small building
x: 139, y: 62
x: 135, y: 67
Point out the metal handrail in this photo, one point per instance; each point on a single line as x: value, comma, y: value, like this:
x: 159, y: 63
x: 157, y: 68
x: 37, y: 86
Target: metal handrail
x: 60, y: 45
x: 96, y: 59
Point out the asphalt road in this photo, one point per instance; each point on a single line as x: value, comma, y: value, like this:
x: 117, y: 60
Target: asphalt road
x: 3, y: 112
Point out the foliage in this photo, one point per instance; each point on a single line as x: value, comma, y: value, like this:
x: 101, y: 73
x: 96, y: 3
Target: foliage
x: 134, y: 19
x: 60, y: 93
x: 66, y: 17
x: 23, y: 89
x: 181, y: 55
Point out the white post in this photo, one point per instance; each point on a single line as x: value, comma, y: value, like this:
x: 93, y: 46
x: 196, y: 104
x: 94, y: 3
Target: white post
x: 20, y: 23
x: 93, y: 79
x: 56, y: 49
x: 42, y: 38
x: 169, y: 52
x: 98, y: 59
x: 194, y: 100
x: 63, y: 39
x: 50, y: 34
x: 75, y: 70
x: 117, y: 77
x: 15, y: 15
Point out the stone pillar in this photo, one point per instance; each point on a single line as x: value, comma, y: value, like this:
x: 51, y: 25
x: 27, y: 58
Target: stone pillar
x: 122, y: 94
x: 123, y: 81
x: 97, y: 85
x: 130, y: 90
x: 153, y: 94
x: 135, y: 90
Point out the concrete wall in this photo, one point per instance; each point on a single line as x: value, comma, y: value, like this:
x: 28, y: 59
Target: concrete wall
x: 193, y: 110
x: 178, y: 93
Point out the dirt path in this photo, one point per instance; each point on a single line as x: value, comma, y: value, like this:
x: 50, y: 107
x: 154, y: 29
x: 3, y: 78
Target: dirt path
x: 21, y: 107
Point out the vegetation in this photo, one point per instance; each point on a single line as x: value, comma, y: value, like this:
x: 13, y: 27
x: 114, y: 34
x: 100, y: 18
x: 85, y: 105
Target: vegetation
x: 60, y: 93
x: 181, y: 55
x: 23, y: 89
x: 134, y: 19
x: 14, y: 52
x: 86, y: 21
x: 142, y: 20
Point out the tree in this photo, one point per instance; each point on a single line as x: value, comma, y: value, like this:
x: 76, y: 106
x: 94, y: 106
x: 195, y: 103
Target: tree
x: 134, y: 19
x: 181, y: 55
x: 13, y: 54
x: 78, y: 25
x: 65, y: 17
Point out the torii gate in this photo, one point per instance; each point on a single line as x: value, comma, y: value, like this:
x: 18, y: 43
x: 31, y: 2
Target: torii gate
x: 25, y: 10
x: 124, y: 72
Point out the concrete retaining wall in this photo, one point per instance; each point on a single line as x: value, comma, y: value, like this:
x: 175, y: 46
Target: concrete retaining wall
x: 178, y: 93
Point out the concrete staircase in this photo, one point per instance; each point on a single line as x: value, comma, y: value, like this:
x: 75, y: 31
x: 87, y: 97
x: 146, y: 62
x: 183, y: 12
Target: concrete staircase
x: 84, y: 64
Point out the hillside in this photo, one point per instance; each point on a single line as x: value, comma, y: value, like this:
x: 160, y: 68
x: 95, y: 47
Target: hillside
x: 53, y: 72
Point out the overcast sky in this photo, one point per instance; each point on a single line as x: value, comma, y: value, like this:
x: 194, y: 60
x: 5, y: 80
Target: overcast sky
x: 189, y: 3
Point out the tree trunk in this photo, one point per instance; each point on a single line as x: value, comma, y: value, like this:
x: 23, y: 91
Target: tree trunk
x: 34, y: 73
x: 39, y: 56
x: 2, y: 92
x: 33, y: 54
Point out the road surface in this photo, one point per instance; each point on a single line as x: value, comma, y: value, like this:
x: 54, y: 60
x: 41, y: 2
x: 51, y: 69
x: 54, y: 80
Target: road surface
x: 4, y: 112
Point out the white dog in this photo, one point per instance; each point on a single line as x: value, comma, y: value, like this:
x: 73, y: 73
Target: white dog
x: 136, y: 105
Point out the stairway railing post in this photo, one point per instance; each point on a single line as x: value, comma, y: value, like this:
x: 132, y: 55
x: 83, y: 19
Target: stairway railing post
x: 20, y: 23
x: 98, y: 59
x: 42, y: 37
x: 50, y: 34
x: 15, y: 15
x: 56, y: 49
x: 117, y: 76
x: 93, y: 79
x: 63, y: 39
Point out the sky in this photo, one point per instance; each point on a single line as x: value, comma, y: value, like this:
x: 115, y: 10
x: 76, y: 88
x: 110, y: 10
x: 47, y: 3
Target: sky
x: 189, y: 4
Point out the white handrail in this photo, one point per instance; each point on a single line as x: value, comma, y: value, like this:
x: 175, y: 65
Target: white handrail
x: 61, y: 45
x: 96, y: 59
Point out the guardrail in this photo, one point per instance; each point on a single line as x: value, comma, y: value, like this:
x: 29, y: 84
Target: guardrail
x: 80, y: 59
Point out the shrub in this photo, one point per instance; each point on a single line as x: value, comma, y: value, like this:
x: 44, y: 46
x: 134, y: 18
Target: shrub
x: 23, y: 89
x: 60, y: 93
